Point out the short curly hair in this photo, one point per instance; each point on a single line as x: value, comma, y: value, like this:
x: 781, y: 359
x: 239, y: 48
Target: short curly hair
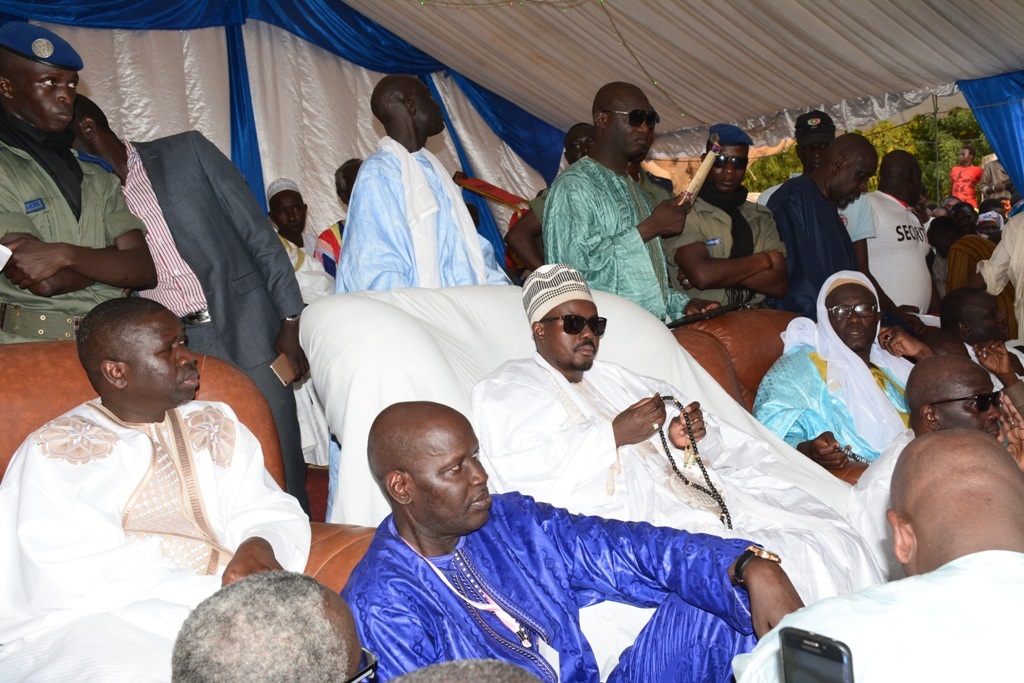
x: 271, y: 627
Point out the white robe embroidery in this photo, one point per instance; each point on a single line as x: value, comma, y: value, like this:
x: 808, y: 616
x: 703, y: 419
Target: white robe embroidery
x: 81, y: 598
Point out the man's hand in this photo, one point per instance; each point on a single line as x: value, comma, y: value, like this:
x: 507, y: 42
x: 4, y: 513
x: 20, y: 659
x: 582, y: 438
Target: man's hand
x: 897, y: 342
x: 994, y: 357
x: 677, y: 428
x: 32, y: 260
x: 772, y: 595
x: 639, y: 422
x: 253, y: 556
x: 667, y: 220
x: 698, y: 306
x: 287, y: 342
x: 825, y: 451
x: 683, y: 280
x: 908, y: 314
x: 1011, y: 425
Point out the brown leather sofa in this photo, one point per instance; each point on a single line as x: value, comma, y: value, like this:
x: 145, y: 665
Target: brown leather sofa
x: 44, y: 379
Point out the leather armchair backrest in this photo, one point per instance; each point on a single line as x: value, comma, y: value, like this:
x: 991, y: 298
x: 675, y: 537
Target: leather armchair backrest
x: 45, y: 379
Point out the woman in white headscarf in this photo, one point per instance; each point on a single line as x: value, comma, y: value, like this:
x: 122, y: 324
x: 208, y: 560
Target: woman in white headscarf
x: 836, y: 392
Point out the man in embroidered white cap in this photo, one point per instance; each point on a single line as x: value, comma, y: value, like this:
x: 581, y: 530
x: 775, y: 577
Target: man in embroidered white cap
x: 120, y: 516
x: 597, y: 439
x: 408, y: 225
x: 288, y: 213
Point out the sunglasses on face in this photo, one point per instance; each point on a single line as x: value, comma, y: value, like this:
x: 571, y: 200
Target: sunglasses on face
x: 637, y: 117
x: 367, y: 668
x: 981, y: 401
x: 843, y: 311
x: 737, y: 162
x: 574, y: 324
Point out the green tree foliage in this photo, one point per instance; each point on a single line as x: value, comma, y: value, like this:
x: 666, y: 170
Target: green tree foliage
x: 918, y: 136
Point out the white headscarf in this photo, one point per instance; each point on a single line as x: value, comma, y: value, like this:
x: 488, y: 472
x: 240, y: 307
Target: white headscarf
x: 847, y: 377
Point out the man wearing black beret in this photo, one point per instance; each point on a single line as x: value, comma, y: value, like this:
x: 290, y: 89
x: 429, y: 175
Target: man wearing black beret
x: 74, y: 243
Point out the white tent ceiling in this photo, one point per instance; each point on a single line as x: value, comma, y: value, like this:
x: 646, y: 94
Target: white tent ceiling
x: 743, y: 61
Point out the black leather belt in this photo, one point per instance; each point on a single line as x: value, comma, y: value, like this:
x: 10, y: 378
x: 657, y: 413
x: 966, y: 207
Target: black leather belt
x: 197, y: 318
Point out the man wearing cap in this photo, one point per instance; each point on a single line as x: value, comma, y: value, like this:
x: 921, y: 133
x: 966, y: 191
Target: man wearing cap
x: 220, y: 267
x: 408, y: 225
x: 74, y: 242
x: 288, y: 214
x: 814, y: 131
x: 730, y: 251
x: 598, y: 219
x: 806, y: 211
x: 598, y: 439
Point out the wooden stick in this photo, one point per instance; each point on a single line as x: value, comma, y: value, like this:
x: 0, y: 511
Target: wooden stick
x: 702, y: 171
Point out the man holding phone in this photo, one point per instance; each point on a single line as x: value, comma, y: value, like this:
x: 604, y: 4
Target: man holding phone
x: 957, y: 517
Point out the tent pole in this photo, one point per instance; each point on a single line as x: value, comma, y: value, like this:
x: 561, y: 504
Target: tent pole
x: 935, y: 124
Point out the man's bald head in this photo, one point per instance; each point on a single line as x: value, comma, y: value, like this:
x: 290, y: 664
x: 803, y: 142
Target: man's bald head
x: 405, y: 108
x: 973, y: 315
x: 936, y: 381
x: 849, y: 161
x: 397, y: 435
x: 616, y: 95
x: 900, y: 175
x: 954, y: 493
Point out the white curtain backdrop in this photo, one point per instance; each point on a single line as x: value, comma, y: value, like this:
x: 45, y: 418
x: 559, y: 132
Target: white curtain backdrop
x: 156, y: 83
x: 312, y: 108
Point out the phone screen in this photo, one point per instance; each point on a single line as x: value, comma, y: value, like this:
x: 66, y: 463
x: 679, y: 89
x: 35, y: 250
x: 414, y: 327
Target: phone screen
x: 810, y: 658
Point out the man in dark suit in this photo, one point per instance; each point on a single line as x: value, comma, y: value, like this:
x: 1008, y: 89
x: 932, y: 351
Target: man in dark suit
x: 220, y: 266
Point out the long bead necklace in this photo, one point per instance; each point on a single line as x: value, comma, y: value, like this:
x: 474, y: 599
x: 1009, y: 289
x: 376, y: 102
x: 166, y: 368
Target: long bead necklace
x: 710, y: 490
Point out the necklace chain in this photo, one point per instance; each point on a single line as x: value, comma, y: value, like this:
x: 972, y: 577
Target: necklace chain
x: 710, y: 490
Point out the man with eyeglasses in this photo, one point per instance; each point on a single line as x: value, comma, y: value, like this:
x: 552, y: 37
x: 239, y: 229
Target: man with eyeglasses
x: 272, y: 626
x: 943, y: 392
x: 598, y: 219
x: 806, y: 211
x: 837, y: 392
x: 456, y: 572
x: 598, y: 439
x: 730, y: 251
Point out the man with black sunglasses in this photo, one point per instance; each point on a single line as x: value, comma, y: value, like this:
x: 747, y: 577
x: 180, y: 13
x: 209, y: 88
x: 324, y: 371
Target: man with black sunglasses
x: 730, y: 251
x: 599, y: 439
x: 599, y: 220
x: 943, y: 392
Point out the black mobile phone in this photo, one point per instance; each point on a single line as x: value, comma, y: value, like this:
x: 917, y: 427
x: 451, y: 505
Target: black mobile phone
x: 811, y: 658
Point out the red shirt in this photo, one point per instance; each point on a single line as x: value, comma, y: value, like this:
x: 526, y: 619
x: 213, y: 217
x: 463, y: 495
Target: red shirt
x: 965, y: 182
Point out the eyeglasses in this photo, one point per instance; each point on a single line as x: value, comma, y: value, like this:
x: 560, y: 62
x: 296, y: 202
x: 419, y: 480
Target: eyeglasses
x: 573, y: 324
x: 367, y: 668
x: 843, y: 311
x: 981, y: 401
x: 637, y: 117
x: 738, y: 163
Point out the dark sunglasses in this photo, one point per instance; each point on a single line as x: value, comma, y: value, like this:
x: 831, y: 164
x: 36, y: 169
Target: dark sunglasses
x: 637, y: 117
x: 843, y: 311
x: 367, y: 668
x: 737, y: 162
x: 574, y: 324
x: 981, y: 401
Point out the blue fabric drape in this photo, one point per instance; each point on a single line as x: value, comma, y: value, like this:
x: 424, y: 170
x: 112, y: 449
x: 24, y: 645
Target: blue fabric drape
x: 998, y: 104
x: 131, y: 14
x: 340, y: 30
x: 536, y: 142
x: 329, y: 24
x: 245, y: 145
x: 488, y: 227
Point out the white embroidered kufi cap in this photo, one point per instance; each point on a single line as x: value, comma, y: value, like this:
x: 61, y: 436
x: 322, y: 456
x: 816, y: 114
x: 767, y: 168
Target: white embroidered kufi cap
x: 552, y: 285
x: 280, y: 185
